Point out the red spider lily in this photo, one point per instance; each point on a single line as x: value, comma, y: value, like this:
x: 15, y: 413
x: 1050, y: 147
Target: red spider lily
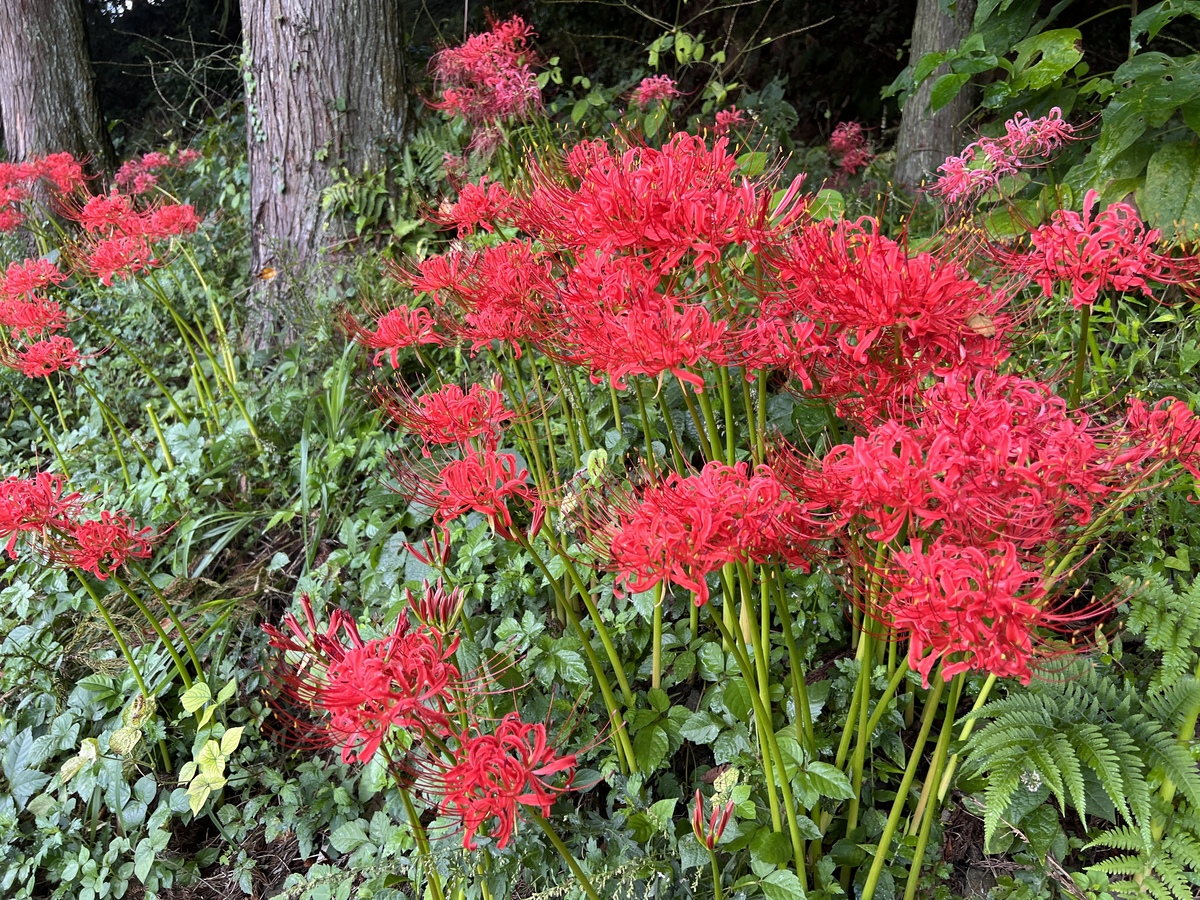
x: 618, y: 323
x: 481, y: 481
x: 654, y: 89
x: 983, y: 163
x: 136, y: 175
x: 101, y: 545
x: 492, y: 775
x: 120, y: 256
x: 395, y: 330
x: 478, y: 205
x: 1168, y: 430
x: 363, y: 689
x: 666, y: 203
x: 37, y: 507
x: 62, y: 170
x: 23, y: 278
x: 683, y: 528
x: 1093, y: 252
x: 972, y: 608
x: 500, y: 295
x: 765, y: 341
x: 31, y: 318
x: 728, y: 119
x: 848, y: 145
x: 435, y: 606
x: 450, y: 415
x: 708, y: 833
x: 170, y: 220
x: 489, y: 76
x: 43, y: 358
x: 109, y: 213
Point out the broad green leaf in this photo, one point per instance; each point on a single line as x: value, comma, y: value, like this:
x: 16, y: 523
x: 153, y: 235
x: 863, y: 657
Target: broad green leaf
x: 782, y: 884
x: 195, y: 696
x: 230, y: 740
x: 658, y: 699
x: 827, y: 204
x: 348, y: 837
x: 1170, y: 199
x: 829, y: 781
x: 650, y: 747
x: 1046, y: 57
x: 700, y: 728
x: 945, y: 89
x: 228, y: 691
x: 737, y: 699
x: 773, y: 848
x: 662, y: 813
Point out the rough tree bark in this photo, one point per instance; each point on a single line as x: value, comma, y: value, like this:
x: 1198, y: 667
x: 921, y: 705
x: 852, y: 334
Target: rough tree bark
x: 47, y: 86
x: 927, y: 138
x: 324, y: 89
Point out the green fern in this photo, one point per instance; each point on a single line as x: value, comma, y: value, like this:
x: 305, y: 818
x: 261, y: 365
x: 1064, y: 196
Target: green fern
x: 1163, y: 865
x: 1085, y: 729
x: 1169, y: 620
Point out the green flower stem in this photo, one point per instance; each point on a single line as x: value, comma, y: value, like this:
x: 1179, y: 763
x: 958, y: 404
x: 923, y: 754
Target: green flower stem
x: 1081, y: 351
x: 761, y: 402
x: 533, y: 446
x: 730, y: 422
x: 576, y: 869
x: 183, y: 634
x: 125, y: 652
x: 930, y: 812
x: 706, y: 447
x: 422, y: 839
x: 967, y: 728
x: 616, y: 405
x: 111, y: 418
x: 656, y: 639
x: 62, y: 462
x: 766, y: 727
x: 858, y: 760
x: 716, y: 870
x: 180, y: 665
x: 757, y: 447
x: 621, y: 736
x: 162, y: 441
x: 893, y: 685
x: 648, y: 431
x: 568, y: 416
x: 590, y: 604
x: 54, y: 396
x: 141, y: 364
x: 676, y: 448
x: 710, y: 420
x: 889, y: 829
x: 585, y: 434
x: 799, y: 686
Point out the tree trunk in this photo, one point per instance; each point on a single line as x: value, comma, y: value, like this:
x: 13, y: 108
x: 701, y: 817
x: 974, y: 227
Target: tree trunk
x: 47, y: 86
x: 927, y: 138
x: 324, y: 89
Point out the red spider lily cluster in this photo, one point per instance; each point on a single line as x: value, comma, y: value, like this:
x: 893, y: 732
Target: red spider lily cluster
x: 116, y: 236
x: 488, y: 78
x: 41, y: 515
x: 655, y: 89
x: 643, y: 263
x: 137, y: 175
x: 358, y: 694
x: 728, y: 119
x: 849, y: 148
x: 982, y: 164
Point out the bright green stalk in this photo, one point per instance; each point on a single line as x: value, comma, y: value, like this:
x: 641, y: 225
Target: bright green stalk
x: 656, y: 639
x: 883, y: 852
x: 716, y: 870
x: 62, y: 462
x: 187, y: 641
x: 180, y: 665
x: 889, y: 692
x: 125, y: 652
x: 727, y: 403
x: 706, y: 447
x: 422, y: 839
x: 54, y: 396
x: 624, y: 747
x: 864, y: 737
x: 616, y: 406
x: 162, y: 441
x: 799, y: 687
x: 766, y: 727
x: 967, y: 728
x: 1081, y: 350
x: 676, y: 447
x: 930, y: 811
x: 576, y: 870
x: 710, y: 419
